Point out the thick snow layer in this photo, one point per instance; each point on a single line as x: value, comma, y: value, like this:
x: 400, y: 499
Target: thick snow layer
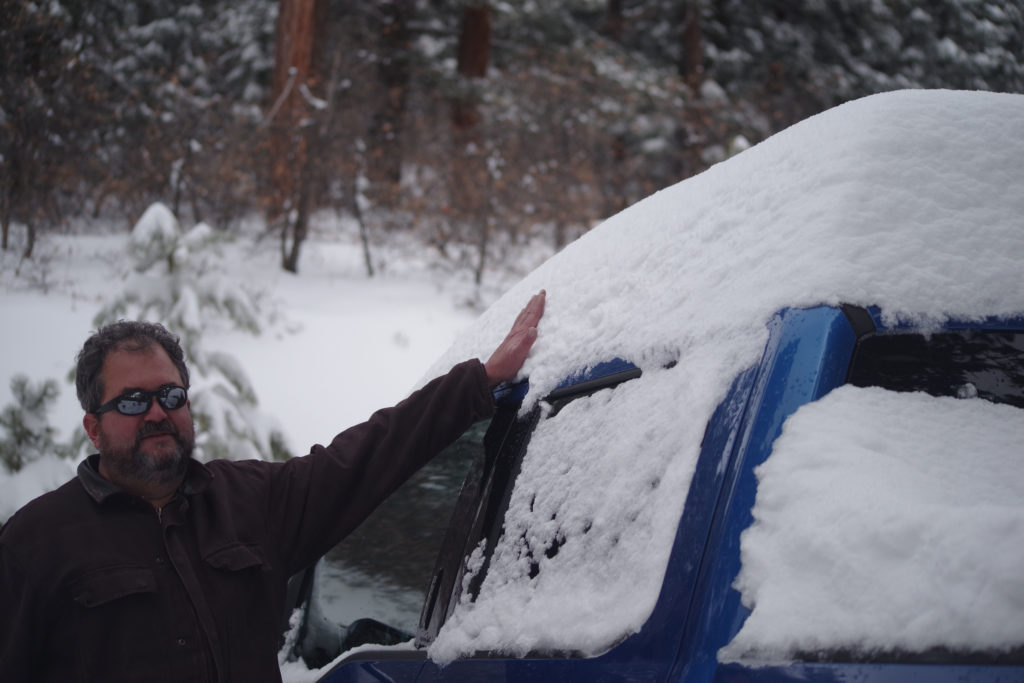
x: 909, y: 200
x: 918, y: 533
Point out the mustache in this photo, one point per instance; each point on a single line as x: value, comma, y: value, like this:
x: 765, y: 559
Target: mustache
x: 151, y: 428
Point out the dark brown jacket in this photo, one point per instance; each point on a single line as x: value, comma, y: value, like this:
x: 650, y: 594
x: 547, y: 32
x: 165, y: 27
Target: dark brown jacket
x: 96, y: 586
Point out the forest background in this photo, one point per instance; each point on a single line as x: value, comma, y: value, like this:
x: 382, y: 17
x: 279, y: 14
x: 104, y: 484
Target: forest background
x: 475, y: 125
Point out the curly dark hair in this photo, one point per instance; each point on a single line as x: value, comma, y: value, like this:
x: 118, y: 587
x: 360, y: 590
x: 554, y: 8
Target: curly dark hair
x: 124, y: 335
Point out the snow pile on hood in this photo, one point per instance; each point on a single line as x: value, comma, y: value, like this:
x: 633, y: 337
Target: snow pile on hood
x: 909, y: 200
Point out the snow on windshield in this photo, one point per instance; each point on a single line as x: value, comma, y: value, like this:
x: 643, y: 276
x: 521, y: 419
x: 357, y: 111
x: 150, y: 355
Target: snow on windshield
x: 908, y: 200
x: 917, y: 505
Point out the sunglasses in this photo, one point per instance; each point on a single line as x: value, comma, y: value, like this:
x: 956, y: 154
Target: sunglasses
x: 138, y: 402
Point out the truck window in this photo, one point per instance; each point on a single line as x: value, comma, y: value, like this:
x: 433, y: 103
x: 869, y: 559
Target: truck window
x: 370, y: 588
x: 965, y: 363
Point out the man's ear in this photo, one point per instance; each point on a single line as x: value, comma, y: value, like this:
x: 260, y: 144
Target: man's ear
x: 92, y: 428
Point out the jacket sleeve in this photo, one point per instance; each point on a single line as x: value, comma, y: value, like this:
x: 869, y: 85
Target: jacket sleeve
x: 320, y: 498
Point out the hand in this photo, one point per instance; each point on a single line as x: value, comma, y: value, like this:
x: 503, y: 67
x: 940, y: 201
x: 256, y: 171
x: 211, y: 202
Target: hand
x: 508, y: 358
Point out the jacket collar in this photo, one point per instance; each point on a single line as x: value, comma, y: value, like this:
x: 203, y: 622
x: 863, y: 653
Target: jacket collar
x: 197, y: 479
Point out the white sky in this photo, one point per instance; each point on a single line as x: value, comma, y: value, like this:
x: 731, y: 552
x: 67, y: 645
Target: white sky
x: 911, y: 201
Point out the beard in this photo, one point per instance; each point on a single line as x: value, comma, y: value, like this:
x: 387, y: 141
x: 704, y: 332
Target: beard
x: 143, y: 462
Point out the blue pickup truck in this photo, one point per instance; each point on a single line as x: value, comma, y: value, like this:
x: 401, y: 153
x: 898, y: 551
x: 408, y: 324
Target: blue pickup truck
x: 699, y: 611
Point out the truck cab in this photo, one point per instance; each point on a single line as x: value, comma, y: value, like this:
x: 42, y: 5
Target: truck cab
x: 700, y: 608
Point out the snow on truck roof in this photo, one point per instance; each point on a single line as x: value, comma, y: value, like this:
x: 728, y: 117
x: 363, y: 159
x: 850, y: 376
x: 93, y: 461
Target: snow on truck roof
x: 911, y: 201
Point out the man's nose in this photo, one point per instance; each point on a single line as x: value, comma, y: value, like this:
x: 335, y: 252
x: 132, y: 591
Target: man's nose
x: 156, y: 412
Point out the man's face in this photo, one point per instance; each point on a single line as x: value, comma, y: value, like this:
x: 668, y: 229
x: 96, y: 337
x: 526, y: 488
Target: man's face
x: 137, y: 450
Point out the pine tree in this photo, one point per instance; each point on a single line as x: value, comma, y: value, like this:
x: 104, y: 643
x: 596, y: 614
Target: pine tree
x: 797, y: 58
x: 25, y: 432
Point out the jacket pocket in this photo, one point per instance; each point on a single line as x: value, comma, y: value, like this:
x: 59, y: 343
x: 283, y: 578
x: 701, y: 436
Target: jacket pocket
x: 236, y: 557
x: 100, y: 586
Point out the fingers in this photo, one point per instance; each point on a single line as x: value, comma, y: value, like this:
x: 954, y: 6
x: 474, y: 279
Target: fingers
x: 532, y: 312
x: 529, y: 317
x: 508, y: 358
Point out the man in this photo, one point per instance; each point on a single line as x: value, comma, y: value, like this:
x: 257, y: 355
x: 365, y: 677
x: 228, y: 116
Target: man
x: 150, y: 566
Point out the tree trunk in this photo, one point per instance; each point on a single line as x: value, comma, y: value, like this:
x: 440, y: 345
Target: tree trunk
x: 384, y: 167
x: 475, y: 40
x: 470, y: 186
x: 481, y: 264
x: 560, y: 233
x: 298, y: 222
x: 691, y: 60
x: 613, y: 20
x: 474, y: 52
x: 30, y: 242
x: 364, y: 233
x: 11, y: 183
x: 288, y: 144
x: 5, y: 223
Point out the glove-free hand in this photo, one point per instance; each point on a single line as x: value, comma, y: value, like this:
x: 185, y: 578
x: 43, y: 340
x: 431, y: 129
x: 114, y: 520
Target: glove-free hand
x: 508, y: 358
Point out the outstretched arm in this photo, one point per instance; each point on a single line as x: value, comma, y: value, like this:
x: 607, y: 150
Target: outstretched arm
x: 508, y: 358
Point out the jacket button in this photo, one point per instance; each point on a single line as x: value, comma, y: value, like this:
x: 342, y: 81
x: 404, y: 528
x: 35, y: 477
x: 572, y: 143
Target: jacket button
x: 181, y: 641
